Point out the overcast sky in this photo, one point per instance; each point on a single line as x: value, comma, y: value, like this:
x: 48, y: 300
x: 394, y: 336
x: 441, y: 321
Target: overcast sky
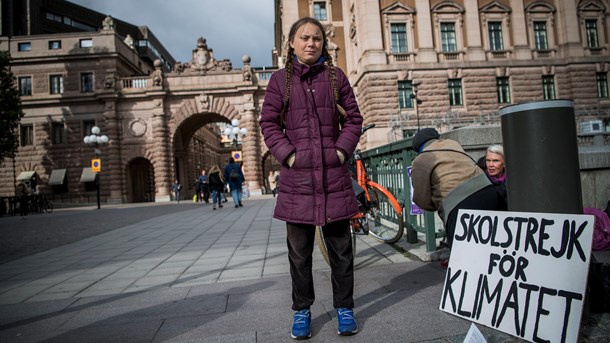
x: 232, y: 28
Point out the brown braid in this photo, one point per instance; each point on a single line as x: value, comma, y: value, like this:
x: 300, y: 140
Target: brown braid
x: 287, y: 77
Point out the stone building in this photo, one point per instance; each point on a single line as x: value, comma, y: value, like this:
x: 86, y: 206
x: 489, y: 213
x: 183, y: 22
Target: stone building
x: 413, y: 63
x: 448, y: 64
x: 77, y: 68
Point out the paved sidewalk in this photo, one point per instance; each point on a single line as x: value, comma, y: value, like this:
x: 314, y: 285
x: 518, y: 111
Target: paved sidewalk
x: 197, y: 275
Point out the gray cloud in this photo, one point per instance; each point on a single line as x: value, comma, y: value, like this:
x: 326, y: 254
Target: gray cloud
x: 232, y: 28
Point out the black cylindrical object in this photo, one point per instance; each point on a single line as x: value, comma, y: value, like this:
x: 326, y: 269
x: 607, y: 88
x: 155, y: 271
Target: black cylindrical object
x: 541, y: 152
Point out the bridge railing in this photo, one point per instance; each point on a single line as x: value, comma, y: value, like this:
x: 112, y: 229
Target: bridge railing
x: 387, y: 165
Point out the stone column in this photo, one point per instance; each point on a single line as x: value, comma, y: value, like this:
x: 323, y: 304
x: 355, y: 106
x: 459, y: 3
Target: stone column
x: 251, y: 151
x: 369, y: 33
x: 112, y: 175
x: 568, y: 30
x: 425, y: 37
x: 162, y: 162
x: 473, y: 32
x: 522, y: 49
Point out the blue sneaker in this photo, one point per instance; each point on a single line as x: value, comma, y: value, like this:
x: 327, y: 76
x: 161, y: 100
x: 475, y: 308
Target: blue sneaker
x: 347, y: 322
x: 301, y: 325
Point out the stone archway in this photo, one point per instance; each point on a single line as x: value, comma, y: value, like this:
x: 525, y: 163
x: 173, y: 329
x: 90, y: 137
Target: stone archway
x: 207, y: 108
x: 140, y: 181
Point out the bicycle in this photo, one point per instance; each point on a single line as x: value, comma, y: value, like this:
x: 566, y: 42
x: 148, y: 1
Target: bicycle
x: 40, y: 204
x: 374, y: 200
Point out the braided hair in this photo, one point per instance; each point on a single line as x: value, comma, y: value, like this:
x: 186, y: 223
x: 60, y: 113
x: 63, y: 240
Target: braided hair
x: 289, y: 67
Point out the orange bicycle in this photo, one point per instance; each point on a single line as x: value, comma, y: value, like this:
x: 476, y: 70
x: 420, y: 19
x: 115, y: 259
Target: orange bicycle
x: 380, y: 213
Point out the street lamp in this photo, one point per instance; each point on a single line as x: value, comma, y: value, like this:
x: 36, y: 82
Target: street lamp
x: 416, y: 103
x: 96, y: 139
x: 234, y: 132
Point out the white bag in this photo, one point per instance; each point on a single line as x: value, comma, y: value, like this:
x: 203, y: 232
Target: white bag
x: 245, y: 192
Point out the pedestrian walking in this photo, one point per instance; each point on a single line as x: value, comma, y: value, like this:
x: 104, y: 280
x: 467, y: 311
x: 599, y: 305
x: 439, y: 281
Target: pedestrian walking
x: 235, y: 178
x: 176, y: 187
x: 311, y: 123
x: 204, y: 187
x: 217, y: 186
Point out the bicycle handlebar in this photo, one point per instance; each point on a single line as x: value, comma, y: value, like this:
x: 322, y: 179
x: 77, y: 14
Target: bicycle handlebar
x: 370, y: 126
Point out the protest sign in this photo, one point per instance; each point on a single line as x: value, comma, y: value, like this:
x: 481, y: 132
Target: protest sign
x: 521, y: 273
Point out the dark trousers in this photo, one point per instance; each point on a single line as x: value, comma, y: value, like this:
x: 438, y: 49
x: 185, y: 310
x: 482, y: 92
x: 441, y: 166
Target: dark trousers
x: 300, y: 240
x: 487, y: 198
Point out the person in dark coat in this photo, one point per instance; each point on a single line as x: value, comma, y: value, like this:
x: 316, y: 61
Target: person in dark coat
x: 235, y: 178
x: 446, y: 179
x: 311, y: 123
x: 217, y: 186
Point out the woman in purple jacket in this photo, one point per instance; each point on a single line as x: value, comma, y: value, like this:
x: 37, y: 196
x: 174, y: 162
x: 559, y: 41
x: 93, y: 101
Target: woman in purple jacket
x: 312, y: 124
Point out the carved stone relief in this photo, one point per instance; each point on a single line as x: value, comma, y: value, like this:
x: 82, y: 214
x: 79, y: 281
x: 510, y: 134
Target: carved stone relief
x: 138, y: 128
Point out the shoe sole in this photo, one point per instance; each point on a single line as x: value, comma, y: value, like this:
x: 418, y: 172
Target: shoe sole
x: 347, y: 333
x: 299, y: 338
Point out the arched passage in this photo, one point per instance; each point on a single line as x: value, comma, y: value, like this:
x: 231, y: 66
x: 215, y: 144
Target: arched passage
x: 197, y: 145
x: 140, y: 181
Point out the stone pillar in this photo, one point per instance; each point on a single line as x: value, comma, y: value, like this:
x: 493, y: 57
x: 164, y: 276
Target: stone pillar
x: 162, y: 162
x: 369, y: 31
x: 251, y: 151
x: 425, y: 37
x: 568, y: 30
x: 473, y: 32
x: 522, y: 49
x: 112, y: 175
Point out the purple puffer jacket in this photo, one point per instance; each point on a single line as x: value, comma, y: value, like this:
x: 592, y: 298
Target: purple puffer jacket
x: 317, y: 189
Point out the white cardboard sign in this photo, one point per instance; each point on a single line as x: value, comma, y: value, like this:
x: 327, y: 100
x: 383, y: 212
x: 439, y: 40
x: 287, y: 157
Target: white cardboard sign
x: 521, y: 273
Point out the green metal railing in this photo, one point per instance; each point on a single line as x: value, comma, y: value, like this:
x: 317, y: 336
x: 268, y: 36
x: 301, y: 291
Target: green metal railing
x: 387, y: 165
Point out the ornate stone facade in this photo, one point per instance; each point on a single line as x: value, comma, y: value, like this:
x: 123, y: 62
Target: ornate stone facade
x: 426, y: 45
x: 161, y: 126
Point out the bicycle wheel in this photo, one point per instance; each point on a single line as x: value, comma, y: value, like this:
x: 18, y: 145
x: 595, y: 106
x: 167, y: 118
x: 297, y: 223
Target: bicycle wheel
x: 322, y: 243
x: 382, y: 201
x: 33, y: 208
x: 47, y: 207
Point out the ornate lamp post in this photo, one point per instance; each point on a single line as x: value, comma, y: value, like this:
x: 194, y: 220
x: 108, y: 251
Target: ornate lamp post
x: 235, y: 133
x: 416, y: 102
x: 96, y: 139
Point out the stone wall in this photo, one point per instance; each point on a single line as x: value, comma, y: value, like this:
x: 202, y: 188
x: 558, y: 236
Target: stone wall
x: 594, y: 160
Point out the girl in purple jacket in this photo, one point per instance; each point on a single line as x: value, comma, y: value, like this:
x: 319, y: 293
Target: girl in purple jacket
x: 312, y: 124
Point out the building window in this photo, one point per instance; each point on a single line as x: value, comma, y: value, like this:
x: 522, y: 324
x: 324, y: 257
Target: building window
x: 602, y: 85
x: 503, y: 89
x: 319, y: 10
x: 399, y: 38
x: 548, y: 87
x: 448, y: 40
x: 86, y: 82
x: 27, y: 46
x: 56, y: 84
x: 59, y: 133
x: 540, y: 38
x: 54, y: 44
x: 27, y: 135
x: 86, y: 43
x: 455, y: 92
x: 25, y: 85
x: 87, y: 125
x: 591, y: 31
x: 495, y: 36
x: 405, y: 91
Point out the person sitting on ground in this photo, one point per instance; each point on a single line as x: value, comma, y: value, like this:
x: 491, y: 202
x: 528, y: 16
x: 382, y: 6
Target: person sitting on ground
x: 446, y: 179
x: 496, y: 171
